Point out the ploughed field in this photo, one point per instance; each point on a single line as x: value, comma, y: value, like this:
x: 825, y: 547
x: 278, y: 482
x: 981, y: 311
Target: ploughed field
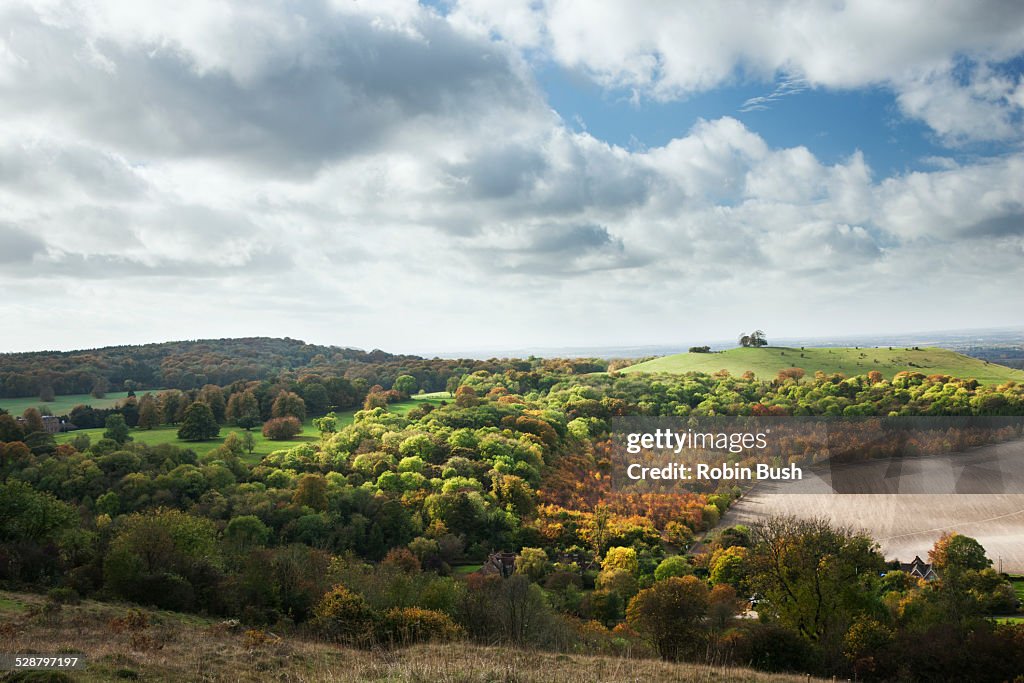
x: 766, y: 362
x: 907, y: 504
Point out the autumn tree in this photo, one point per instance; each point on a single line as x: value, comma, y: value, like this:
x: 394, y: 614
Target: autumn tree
x: 955, y: 552
x: 213, y: 396
x: 465, y: 397
x: 243, y: 409
x: 46, y: 393
x: 621, y: 558
x: 669, y: 615
x: 288, y: 404
x: 281, y: 428
x: 33, y: 420
x: 344, y: 617
x: 311, y: 491
x: 173, y: 405
x: 149, y: 412
x: 100, y: 387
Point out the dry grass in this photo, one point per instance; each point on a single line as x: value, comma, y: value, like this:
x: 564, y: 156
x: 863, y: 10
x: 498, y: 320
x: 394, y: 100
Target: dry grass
x: 163, y: 646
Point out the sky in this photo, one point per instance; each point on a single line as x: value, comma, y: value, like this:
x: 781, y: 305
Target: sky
x: 491, y: 174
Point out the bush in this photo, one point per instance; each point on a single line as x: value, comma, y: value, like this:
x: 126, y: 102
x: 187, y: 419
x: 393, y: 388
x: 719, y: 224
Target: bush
x: 344, y: 617
x: 64, y: 596
x: 281, y: 428
x: 771, y: 647
x: 410, y: 625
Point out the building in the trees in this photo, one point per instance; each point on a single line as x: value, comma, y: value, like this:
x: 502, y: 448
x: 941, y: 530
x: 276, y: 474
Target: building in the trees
x: 499, y: 564
x: 52, y: 424
x: 919, y: 569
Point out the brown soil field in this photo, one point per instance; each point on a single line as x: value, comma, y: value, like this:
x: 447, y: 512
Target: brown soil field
x: 906, y: 505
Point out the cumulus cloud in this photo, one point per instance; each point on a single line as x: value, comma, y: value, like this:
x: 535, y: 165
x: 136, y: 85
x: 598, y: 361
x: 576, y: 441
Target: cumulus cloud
x: 670, y: 50
x: 290, y: 90
x: 382, y: 175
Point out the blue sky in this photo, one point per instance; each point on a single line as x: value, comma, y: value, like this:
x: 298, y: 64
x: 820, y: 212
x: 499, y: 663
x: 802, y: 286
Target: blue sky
x: 389, y: 174
x: 831, y: 123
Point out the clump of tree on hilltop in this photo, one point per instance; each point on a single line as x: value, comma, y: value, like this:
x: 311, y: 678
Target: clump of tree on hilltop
x: 754, y: 339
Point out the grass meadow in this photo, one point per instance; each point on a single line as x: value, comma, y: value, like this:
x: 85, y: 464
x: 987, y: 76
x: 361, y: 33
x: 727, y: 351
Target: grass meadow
x: 766, y: 362
x: 263, y: 446
x: 63, y: 404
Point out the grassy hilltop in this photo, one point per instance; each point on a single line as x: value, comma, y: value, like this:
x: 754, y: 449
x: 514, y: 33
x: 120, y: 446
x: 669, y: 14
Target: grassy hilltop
x: 767, y: 361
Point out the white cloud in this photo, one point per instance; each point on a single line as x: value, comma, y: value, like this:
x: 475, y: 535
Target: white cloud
x: 387, y: 177
x: 670, y: 50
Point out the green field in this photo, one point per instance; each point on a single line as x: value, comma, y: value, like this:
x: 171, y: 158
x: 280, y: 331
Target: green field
x: 766, y: 362
x: 63, y: 404
x: 1018, y: 586
x: 264, y: 446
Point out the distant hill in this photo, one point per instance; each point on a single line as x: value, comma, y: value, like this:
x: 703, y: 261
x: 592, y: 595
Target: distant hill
x: 766, y: 362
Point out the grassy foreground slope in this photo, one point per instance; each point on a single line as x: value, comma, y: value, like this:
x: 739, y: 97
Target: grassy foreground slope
x: 766, y: 362
x: 167, y: 646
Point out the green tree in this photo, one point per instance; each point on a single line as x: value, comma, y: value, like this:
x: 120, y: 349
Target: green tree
x: 246, y: 531
x: 108, y: 504
x: 199, y: 423
x: 10, y: 430
x: 676, y: 565
x: 957, y: 553
x: 729, y: 566
x: 816, y: 578
x: 30, y: 515
x: 172, y: 403
x: 533, y: 562
x: 328, y: 424
x: 405, y: 384
x: 46, y: 393
x: 164, y: 558
x: 116, y: 429
x: 248, y: 442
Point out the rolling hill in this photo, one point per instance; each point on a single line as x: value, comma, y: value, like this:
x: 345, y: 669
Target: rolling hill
x: 766, y: 362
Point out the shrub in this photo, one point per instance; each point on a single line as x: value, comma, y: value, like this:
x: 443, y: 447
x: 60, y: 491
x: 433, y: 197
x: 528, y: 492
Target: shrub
x: 64, y: 596
x: 281, y: 428
x: 409, y: 625
x: 344, y: 617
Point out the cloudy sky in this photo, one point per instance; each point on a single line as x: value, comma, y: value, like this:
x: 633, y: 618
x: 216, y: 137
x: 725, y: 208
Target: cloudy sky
x: 488, y: 174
